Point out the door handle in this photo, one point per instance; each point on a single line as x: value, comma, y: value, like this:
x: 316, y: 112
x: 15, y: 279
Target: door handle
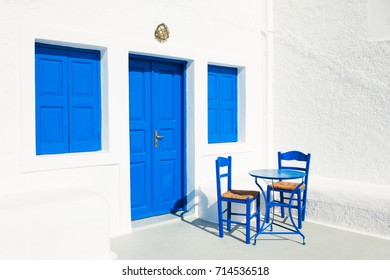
x: 157, y: 138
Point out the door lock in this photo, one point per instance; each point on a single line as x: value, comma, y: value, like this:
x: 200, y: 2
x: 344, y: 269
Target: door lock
x: 157, y: 138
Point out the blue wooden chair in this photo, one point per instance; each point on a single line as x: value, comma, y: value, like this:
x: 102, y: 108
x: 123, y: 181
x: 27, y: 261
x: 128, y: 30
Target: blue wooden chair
x: 298, y: 191
x: 230, y: 196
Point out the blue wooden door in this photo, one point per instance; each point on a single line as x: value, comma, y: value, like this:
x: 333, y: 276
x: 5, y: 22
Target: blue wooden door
x: 156, y: 136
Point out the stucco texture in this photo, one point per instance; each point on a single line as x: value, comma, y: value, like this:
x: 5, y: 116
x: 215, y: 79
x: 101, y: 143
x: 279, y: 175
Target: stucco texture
x: 332, y: 89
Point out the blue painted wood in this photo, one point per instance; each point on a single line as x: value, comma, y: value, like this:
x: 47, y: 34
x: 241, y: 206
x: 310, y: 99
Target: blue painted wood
x: 223, y: 168
x: 213, y: 105
x: 167, y: 118
x: 228, y: 107
x: 51, y: 101
x: 140, y: 138
x: 84, y: 101
x: 67, y: 100
x: 156, y: 100
x: 222, y: 104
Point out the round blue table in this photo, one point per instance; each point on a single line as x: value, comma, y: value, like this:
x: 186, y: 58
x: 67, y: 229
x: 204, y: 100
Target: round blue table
x: 277, y: 174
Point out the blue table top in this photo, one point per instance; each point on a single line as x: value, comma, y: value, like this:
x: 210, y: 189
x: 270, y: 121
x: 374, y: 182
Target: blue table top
x: 277, y: 174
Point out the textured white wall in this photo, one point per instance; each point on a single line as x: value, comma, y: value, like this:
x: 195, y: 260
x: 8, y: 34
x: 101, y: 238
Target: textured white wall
x: 332, y: 89
x: 332, y: 98
x: 378, y: 19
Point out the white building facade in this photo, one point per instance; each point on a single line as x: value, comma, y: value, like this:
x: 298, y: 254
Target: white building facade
x: 202, y: 33
x: 93, y: 188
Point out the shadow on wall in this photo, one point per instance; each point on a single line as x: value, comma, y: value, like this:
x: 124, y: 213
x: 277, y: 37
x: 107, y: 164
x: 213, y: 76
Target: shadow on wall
x: 198, y: 201
x: 195, y: 200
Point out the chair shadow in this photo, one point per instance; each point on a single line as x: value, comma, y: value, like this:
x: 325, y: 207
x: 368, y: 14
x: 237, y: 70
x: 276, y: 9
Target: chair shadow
x: 283, y: 221
x: 212, y: 228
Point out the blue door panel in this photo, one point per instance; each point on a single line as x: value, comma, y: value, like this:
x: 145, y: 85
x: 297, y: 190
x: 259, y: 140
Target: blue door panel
x: 140, y: 138
x: 167, y: 189
x: 213, y: 107
x: 51, y: 101
x: 166, y: 79
x: 84, y: 102
x: 168, y: 144
x: 228, y: 127
x: 155, y: 105
x: 228, y: 111
x: 140, y: 194
x: 52, y: 136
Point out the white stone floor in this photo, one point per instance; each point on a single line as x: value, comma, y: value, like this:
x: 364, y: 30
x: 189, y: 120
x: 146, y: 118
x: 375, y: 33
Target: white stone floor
x: 185, y: 237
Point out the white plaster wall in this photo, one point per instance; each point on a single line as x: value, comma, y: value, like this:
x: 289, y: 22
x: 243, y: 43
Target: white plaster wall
x: 61, y: 223
x: 378, y: 18
x: 332, y: 98
x: 219, y: 32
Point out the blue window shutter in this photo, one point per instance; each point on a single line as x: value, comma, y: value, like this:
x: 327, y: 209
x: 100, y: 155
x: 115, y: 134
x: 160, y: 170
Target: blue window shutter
x: 51, y: 107
x: 213, y: 105
x: 228, y: 104
x: 222, y: 104
x: 67, y: 106
x: 84, y: 101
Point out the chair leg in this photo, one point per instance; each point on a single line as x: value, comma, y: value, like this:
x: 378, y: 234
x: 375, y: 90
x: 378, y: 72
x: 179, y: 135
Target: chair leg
x: 299, y: 209
x: 282, y: 201
x: 258, y: 213
x: 220, y: 223
x: 267, y: 208
x: 304, y: 205
x: 229, y: 216
x: 248, y: 221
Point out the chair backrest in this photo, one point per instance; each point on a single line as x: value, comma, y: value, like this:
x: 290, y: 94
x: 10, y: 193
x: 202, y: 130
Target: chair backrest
x: 286, y: 161
x: 221, y: 162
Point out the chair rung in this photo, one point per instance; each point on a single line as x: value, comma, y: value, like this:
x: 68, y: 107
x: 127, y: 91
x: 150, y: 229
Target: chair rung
x: 242, y: 214
x: 288, y: 198
x: 238, y: 214
x: 234, y: 222
x: 278, y: 203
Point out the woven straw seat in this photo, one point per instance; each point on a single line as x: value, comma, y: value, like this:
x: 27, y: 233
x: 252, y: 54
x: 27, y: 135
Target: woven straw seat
x: 240, y: 194
x: 282, y: 185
